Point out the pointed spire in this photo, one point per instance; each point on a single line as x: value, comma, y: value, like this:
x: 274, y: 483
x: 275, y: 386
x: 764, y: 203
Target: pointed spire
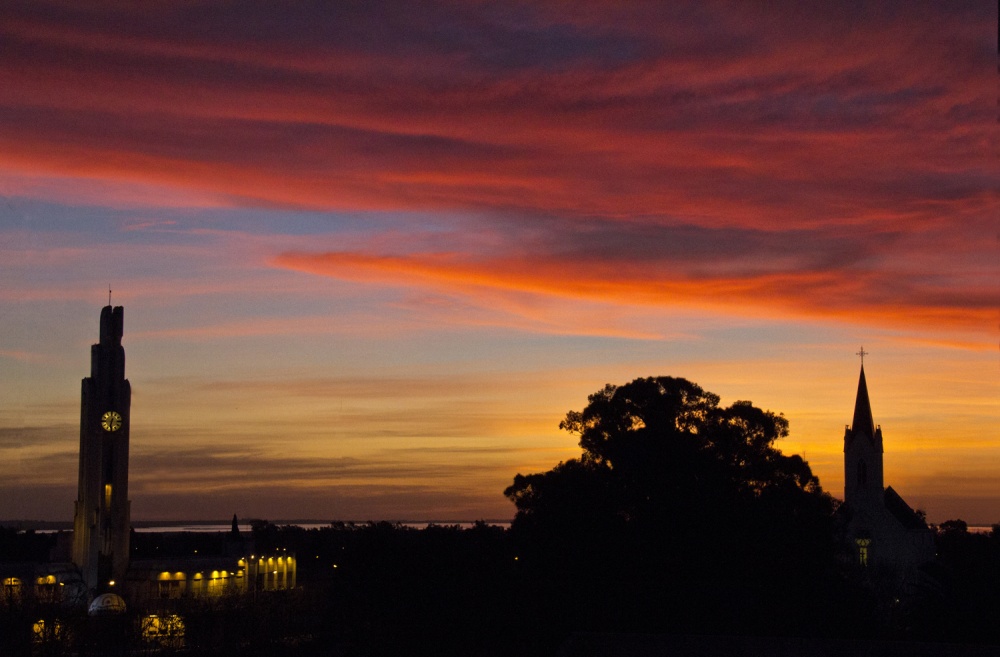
x: 863, y: 420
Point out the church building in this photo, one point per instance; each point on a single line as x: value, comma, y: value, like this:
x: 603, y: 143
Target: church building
x: 882, y: 531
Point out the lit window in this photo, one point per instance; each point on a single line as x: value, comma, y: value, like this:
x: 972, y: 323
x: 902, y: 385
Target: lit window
x: 863, y: 546
x: 43, y: 631
x: 11, y: 591
x: 170, y: 589
x: 47, y: 589
x: 164, y: 631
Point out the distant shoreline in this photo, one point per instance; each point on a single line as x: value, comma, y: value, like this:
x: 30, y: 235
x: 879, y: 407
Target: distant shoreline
x: 244, y: 525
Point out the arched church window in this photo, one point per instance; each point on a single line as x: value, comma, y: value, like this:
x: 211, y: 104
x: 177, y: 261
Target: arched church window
x: 862, y: 473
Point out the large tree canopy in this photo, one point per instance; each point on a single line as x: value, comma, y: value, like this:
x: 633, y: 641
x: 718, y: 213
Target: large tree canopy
x: 660, y: 442
x: 675, y: 493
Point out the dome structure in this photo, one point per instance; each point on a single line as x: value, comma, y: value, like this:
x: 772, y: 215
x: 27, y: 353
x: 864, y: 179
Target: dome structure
x: 106, y: 604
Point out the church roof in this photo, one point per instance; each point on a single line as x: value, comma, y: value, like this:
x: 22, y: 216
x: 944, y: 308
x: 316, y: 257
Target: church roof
x: 863, y: 420
x: 902, y: 511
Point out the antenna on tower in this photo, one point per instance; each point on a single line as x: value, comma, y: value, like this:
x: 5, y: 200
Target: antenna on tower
x: 109, y: 294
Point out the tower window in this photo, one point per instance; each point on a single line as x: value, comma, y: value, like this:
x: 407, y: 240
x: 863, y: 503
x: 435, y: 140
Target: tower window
x: 862, y: 473
x: 107, y: 495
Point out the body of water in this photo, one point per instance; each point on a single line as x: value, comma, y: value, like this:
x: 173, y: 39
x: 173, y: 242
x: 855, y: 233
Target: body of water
x: 245, y: 527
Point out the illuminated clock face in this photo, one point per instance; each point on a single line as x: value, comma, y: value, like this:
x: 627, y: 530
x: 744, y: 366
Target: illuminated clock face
x: 111, y: 421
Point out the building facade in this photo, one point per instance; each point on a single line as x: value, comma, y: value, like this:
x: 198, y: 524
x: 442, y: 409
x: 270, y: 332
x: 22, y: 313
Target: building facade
x: 209, y: 577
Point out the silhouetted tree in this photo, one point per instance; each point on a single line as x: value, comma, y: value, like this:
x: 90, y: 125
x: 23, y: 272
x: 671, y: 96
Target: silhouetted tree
x: 683, y: 505
x: 25, y: 546
x: 964, y: 603
x: 950, y: 527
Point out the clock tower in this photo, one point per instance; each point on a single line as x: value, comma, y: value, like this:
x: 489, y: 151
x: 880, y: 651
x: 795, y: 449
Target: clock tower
x: 101, y: 518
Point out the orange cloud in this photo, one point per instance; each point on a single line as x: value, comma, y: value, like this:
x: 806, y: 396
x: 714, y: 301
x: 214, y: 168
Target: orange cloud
x: 829, y: 295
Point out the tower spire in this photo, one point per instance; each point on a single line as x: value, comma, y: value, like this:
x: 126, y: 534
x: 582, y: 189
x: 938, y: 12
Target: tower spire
x: 863, y: 419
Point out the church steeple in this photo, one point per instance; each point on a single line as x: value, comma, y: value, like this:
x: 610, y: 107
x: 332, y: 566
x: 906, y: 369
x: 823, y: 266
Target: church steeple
x: 863, y: 421
x: 863, y: 484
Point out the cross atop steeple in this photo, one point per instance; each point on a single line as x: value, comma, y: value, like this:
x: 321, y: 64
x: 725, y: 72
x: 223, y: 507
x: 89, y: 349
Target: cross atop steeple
x: 862, y: 353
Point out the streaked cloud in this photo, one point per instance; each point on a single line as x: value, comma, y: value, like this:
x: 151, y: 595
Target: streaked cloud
x: 720, y: 115
x: 845, y: 291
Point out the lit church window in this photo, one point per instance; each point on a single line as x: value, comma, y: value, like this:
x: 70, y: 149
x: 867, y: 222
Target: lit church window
x: 863, y: 545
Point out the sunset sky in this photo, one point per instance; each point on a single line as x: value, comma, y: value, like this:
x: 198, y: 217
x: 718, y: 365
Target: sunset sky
x: 370, y: 254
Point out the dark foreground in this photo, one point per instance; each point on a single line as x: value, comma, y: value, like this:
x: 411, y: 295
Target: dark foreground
x: 380, y: 589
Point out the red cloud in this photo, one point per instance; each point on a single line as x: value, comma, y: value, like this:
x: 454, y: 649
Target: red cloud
x: 719, y: 116
x: 827, y: 120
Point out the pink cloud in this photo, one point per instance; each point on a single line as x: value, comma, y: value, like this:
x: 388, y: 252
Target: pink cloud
x: 26, y: 356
